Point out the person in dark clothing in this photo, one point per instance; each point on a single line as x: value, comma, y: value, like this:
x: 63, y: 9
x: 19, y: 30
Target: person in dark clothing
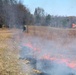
x: 24, y: 28
x: 1, y: 23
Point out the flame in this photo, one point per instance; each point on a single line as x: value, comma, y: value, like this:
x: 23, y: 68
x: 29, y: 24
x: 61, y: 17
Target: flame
x: 30, y: 45
x: 60, y: 61
x: 72, y: 65
x: 48, y: 57
x: 63, y: 60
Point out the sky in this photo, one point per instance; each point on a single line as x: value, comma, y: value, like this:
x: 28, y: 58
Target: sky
x: 53, y: 7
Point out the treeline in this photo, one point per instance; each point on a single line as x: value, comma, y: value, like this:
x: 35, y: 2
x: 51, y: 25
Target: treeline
x: 15, y: 14
x: 54, y: 21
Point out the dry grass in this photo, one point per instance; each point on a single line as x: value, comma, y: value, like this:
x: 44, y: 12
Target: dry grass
x: 9, y: 60
x: 10, y: 64
x: 51, y: 32
x: 9, y: 52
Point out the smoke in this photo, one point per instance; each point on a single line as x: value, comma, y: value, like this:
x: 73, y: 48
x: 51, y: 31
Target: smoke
x: 54, y: 68
x: 51, y: 57
x: 54, y: 57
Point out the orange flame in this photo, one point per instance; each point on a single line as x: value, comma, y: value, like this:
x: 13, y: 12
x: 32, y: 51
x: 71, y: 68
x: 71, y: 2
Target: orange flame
x: 47, y: 57
x: 30, y: 45
x: 63, y: 60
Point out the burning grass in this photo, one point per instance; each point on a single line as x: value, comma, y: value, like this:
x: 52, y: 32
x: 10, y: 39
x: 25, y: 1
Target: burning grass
x: 53, y: 44
x: 10, y: 64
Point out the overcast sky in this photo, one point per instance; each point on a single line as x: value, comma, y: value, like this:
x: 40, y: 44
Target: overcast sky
x: 53, y: 7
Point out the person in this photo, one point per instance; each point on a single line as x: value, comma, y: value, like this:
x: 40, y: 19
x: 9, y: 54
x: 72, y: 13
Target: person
x: 24, y: 27
x: 1, y: 22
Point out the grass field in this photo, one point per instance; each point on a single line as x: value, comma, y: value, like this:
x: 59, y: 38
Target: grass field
x: 9, y: 51
x: 50, y: 32
x: 9, y: 60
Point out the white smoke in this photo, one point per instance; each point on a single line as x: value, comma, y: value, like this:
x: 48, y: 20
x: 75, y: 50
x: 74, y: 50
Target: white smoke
x: 62, y: 55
